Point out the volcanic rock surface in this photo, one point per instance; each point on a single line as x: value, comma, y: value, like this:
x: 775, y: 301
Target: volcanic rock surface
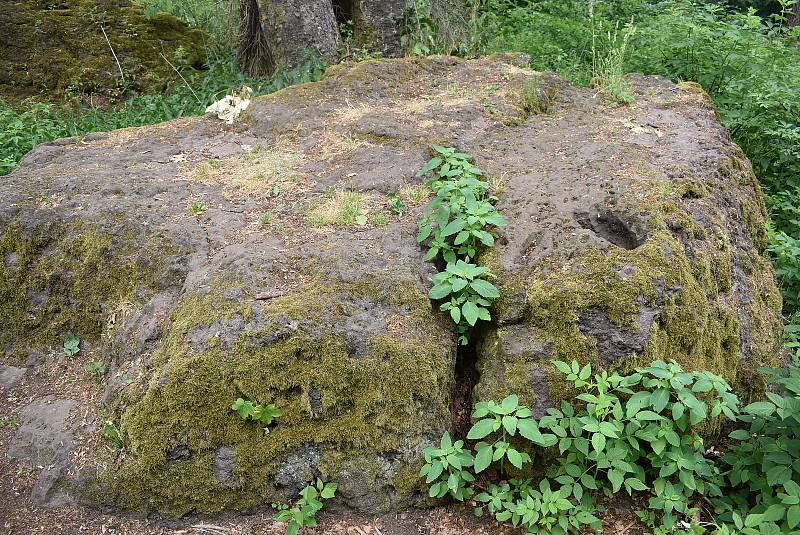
x: 202, y: 262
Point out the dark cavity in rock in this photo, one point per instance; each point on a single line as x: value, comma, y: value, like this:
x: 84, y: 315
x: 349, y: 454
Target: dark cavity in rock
x: 609, y: 226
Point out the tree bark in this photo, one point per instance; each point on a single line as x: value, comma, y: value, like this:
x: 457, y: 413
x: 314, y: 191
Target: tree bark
x: 295, y: 27
x: 253, y: 53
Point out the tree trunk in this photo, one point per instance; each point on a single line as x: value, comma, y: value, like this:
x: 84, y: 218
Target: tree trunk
x: 378, y: 24
x: 295, y: 27
x: 253, y: 53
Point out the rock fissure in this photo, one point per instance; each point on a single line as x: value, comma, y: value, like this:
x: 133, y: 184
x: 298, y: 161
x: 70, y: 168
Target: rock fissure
x: 465, y: 376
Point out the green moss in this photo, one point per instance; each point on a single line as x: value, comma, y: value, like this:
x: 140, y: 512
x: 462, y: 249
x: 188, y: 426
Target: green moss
x: 369, y: 403
x: 59, y: 278
x: 684, y: 270
x: 64, y: 50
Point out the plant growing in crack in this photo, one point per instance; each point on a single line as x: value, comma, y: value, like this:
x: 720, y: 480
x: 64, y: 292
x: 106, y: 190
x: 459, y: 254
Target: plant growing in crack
x: 456, y: 224
x: 469, y: 295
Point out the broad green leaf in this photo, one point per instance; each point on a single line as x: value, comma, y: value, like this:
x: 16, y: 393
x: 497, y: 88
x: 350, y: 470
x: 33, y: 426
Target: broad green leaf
x: 514, y: 457
x: 483, y: 459
x: 470, y: 312
x: 481, y: 429
x: 430, y: 166
x: 453, y: 227
x: 485, y: 289
x: 598, y: 442
x: 440, y: 291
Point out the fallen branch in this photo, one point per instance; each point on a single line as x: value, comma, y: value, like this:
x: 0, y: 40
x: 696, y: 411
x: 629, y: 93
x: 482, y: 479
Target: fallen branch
x: 122, y: 74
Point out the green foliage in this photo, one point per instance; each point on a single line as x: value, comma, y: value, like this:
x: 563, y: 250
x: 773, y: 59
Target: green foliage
x: 32, y: 123
x: 446, y: 471
x: 455, y: 225
x: 110, y: 432
x: 197, y: 208
x: 468, y: 293
x: 395, y: 204
x: 640, y: 433
x: 765, y: 462
x: 303, y: 514
x: 264, y: 414
x: 265, y: 218
x: 451, y: 27
x: 608, y: 70
x: 506, y: 418
x: 72, y: 345
x: 96, y: 369
x: 535, y: 98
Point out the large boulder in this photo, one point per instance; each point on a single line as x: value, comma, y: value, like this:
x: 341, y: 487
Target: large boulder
x: 261, y: 260
x: 60, y: 46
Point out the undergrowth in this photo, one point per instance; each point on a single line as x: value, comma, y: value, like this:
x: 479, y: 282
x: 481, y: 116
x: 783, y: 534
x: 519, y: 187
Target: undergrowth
x: 637, y: 434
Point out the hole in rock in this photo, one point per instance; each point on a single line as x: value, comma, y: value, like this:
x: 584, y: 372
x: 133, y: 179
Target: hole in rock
x: 611, y: 228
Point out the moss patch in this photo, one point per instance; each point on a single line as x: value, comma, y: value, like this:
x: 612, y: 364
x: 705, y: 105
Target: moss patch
x: 59, y: 46
x: 61, y: 278
x: 377, y: 400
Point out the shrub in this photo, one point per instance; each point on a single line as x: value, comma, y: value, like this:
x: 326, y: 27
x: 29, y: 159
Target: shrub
x: 638, y: 433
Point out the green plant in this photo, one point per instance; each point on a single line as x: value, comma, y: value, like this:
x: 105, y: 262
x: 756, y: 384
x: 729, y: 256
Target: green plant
x: 72, y: 345
x: 265, y: 219
x: 197, y: 208
x: 508, y: 417
x: 763, y: 495
x: 608, y: 70
x: 455, y: 223
x: 638, y: 433
x: 379, y: 218
x: 303, y: 514
x: 468, y: 293
x: 110, y: 432
x: 351, y: 210
x: 264, y: 414
x: 461, y: 208
x: 96, y: 369
x: 535, y: 98
x: 395, y: 204
x: 11, y: 422
x: 446, y: 471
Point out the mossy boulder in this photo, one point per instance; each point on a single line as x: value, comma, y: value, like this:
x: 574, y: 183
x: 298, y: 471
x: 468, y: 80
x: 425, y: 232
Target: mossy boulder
x: 60, y: 47
x: 205, y: 262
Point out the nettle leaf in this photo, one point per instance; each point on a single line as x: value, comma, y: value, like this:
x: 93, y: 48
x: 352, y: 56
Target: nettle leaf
x: 483, y: 459
x: 481, y: 429
x: 430, y: 166
x: 440, y: 291
x: 453, y: 227
x: 485, y: 289
x: 470, y: 312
